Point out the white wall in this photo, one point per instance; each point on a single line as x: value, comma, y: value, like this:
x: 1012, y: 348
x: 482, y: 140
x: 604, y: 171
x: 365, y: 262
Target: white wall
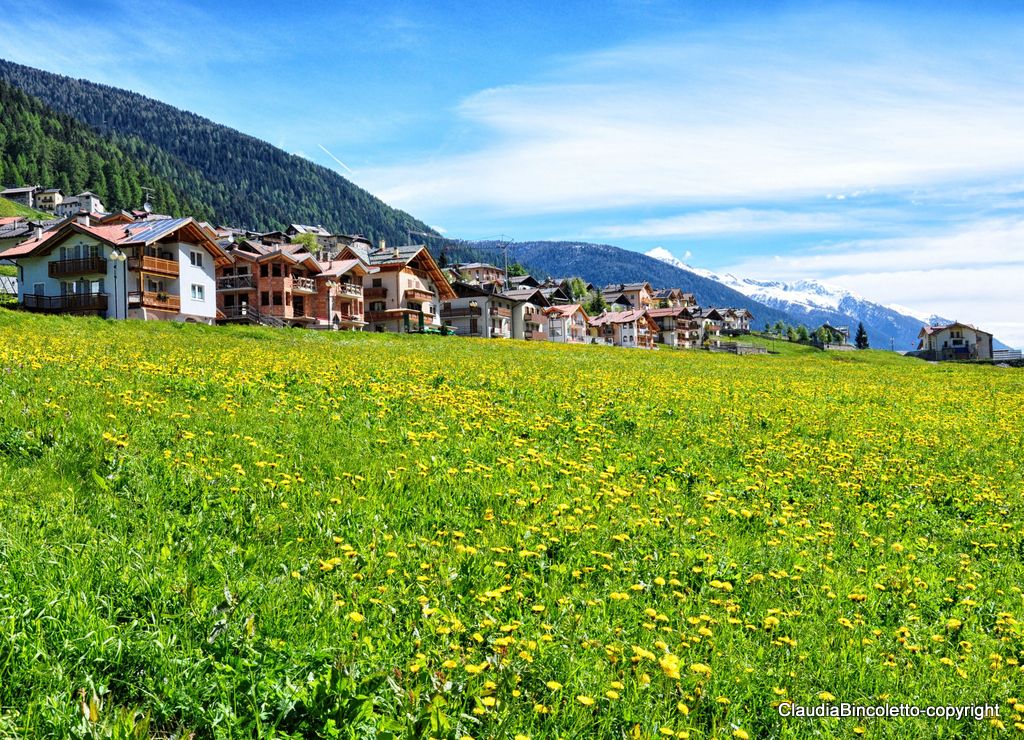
x: 189, y: 276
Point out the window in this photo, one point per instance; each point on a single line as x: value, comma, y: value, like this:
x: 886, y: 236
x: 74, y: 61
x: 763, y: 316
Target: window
x: 196, y: 258
x: 263, y: 271
x: 377, y: 283
x: 275, y: 271
x: 198, y: 292
x: 265, y: 298
x: 39, y: 289
x: 377, y: 306
x: 278, y: 299
x: 229, y: 301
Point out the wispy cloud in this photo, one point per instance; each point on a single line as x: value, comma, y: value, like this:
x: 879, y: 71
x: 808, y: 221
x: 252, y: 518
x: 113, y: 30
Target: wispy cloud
x: 696, y: 120
x: 734, y: 221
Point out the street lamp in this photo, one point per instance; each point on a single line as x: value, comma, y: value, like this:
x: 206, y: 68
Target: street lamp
x: 117, y: 256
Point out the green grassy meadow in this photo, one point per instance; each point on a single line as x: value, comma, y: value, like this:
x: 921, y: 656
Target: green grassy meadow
x: 10, y: 208
x: 243, y: 532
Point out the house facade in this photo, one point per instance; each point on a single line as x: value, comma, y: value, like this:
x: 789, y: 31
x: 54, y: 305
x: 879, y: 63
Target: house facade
x: 82, y: 203
x: 49, y: 198
x: 529, y: 321
x: 405, y: 289
x: 478, y: 311
x: 632, y: 328
x: 151, y: 270
x: 954, y: 341
x: 567, y: 324
x: 636, y: 295
x: 480, y: 273
x: 676, y: 327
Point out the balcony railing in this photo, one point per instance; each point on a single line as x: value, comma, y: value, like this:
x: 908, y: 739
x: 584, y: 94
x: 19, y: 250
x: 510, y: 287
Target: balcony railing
x: 503, y: 312
x: 458, y: 313
x: 148, y: 299
x: 415, y: 294
x: 356, y: 291
x: 236, y: 282
x: 85, y: 266
x: 303, y: 284
x: 153, y: 265
x: 72, y: 303
x: 370, y: 293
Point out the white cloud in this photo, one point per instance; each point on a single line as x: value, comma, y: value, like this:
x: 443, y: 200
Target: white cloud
x: 973, y: 274
x: 695, y: 121
x: 733, y: 221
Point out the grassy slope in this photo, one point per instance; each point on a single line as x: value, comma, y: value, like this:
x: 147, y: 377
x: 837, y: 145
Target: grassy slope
x: 243, y: 531
x: 10, y: 208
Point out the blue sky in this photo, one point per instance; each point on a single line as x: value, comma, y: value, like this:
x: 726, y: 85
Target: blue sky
x: 876, y: 146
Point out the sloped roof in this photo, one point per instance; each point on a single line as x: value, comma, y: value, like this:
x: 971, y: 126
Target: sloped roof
x: 140, y: 233
x: 926, y: 330
x: 527, y: 295
x: 567, y: 310
x: 619, y: 317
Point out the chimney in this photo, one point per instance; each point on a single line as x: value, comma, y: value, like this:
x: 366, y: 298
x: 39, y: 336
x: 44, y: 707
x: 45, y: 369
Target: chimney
x: 83, y: 219
x: 382, y: 245
x: 396, y: 253
x: 37, y: 233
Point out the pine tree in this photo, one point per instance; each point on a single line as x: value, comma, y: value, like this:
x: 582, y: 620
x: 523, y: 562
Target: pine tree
x: 861, y: 339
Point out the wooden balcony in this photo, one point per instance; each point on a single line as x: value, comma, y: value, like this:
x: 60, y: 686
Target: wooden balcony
x: 370, y: 293
x: 154, y: 265
x: 350, y: 289
x: 305, y: 285
x: 86, y: 266
x: 415, y: 294
x: 458, y: 313
x: 229, y: 283
x: 502, y: 312
x: 72, y: 303
x: 147, y: 299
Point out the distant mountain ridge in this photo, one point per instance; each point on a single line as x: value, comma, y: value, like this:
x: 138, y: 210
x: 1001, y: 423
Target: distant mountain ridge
x: 604, y: 264
x: 244, y: 181
x: 813, y: 302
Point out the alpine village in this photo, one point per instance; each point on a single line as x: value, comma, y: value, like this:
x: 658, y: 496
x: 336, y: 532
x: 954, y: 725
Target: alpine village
x: 137, y: 264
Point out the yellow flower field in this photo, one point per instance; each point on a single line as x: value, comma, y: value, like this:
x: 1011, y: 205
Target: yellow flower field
x: 249, y: 532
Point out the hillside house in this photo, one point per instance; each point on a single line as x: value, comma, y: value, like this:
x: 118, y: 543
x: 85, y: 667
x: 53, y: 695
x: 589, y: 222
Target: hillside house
x: 48, y: 199
x: 528, y: 319
x: 406, y: 289
x: 567, y: 323
x: 151, y: 270
x: 631, y: 328
x: 956, y: 341
x: 85, y: 202
x: 284, y: 284
x: 22, y: 195
x: 480, y: 273
x: 523, y: 281
x: 676, y: 327
x: 673, y: 298
x: 737, y: 320
x: 479, y: 311
x: 636, y: 295
x: 557, y: 295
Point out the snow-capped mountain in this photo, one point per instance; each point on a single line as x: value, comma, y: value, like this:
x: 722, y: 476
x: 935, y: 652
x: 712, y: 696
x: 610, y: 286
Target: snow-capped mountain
x: 816, y: 302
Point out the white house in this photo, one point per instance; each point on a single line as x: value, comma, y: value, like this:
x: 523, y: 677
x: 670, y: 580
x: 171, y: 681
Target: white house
x: 82, y: 203
x: 954, y: 341
x: 567, y: 324
x: 160, y: 269
x: 478, y: 311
